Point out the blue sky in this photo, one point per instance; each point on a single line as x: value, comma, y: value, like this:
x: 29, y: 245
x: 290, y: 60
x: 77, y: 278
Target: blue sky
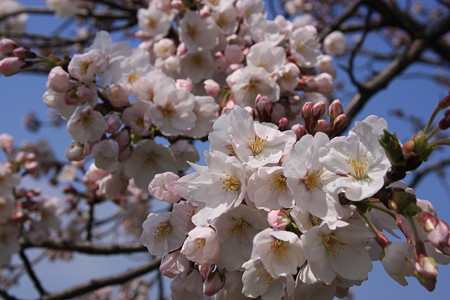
x: 22, y: 93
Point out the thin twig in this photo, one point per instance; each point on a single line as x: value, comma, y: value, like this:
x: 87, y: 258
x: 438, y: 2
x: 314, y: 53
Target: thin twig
x: 87, y: 247
x: 98, y: 283
x: 36, y: 282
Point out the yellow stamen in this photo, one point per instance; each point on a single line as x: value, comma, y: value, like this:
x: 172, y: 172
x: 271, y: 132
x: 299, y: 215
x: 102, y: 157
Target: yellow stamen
x: 230, y: 183
x: 257, y: 143
x: 359, y: 167
x: 200, y: 243
x: 332, y: 244
x: 279, y: 248
x: 265, y: 275
x: 238, y: 227
x: 278, y: 184
x: 312, y: 180
x: 162, y: 230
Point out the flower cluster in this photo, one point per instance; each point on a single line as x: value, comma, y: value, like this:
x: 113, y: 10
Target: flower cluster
x: 273, y: 216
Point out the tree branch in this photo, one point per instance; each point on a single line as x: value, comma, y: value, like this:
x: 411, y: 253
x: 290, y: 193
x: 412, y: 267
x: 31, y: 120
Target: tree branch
x: 98, y: 283
x: 351, y: 9
x: 87, y: 247
x: 29, y: 268
x: 423, y: 172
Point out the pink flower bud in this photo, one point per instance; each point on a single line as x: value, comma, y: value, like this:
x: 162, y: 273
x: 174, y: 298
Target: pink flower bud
x: 234, y: 54
x: 7, y: 46
x: 184, y: 84
x: 174, y: 263
x: 321, y: 126
x: 213, y: 283
x: 299, y: 130
x: 177, y: 4
x: 444, y: 102
x: 278, y: 218
x: 307, y: 113
x: 117, y: 95
x: 58, y: 80
x: 23, y: 53
x: 439, y: 236
x: 318, y: 110
x: 205, y: 11
x: 324, y: 83
x: 123, y: 138
x: 283, y: 124
x: 74, y: 153
x: 426, y: 267
x: 220, y: 63
x: 278, y: 112
x: 263, y: 107
x: 339, y: 123
x: 445, y: 122
x: 204, y: 270
x: 335, y: 109
x: 113, y: 121
x: 212, y: 88
x: 11, y: 65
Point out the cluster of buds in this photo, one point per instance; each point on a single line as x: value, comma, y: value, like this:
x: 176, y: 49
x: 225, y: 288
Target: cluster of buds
x: 314, y: 122
x: 15, y: 58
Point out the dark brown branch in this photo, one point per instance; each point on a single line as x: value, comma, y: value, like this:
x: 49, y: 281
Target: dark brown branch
x: 395, y: 68
x: 389, y: 57
x: 87, y: 247
x: 29, y: 268
x: 351, y: 9
x: 98, y: 283
x: 423, y: 172
x: 79, y: 13
x: 114, y: 5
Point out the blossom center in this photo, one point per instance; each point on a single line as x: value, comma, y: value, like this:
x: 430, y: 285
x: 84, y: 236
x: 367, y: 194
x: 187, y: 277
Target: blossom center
x: 312, y: 180
x: 200, y: 243
x: 230, y: 183
x: 278, y: 184
x: 230, y: 149
x: 279, y: 249
x: 257, y: 143
x: 359, y: 166
x: 238, y: 227
x: 162, y: 230
x: 332, y: 244
x: 192, y: 32
x: 265, y: 275
x: 152, y: 22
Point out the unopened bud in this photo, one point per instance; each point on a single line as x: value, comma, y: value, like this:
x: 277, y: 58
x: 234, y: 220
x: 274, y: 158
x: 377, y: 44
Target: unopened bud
x: 283, y: 124
x: 426, y: 266
x: 338, y: 124
x: 335, y: 109
x: 212, y: 88
x: 444, y: 102
x: 318, y: 110
x: 393, y: 150
x: 278, y: 218
x: 263, y: 107
x: 234, y: 54
x: 7, y: 46
x: 213, y: 283
x: 299, y: 130
x: 445, y: 122
x: 307, y: 111
x: 321, y: 126
x: 24, y: 52
x: 11, y: 65
x: 173, y: 264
